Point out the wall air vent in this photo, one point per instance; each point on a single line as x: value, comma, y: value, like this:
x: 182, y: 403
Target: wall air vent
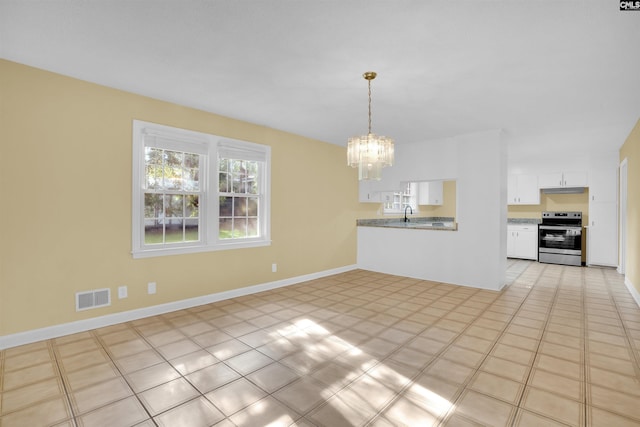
x: 93, y: 299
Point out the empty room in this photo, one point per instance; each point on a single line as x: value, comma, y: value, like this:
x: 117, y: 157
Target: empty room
x: 328, y: 213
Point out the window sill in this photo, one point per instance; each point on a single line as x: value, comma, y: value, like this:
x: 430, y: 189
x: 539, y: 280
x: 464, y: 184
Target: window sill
x: 152, y: 253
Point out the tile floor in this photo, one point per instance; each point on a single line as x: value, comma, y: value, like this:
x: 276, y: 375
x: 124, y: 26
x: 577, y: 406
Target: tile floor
x: 560, y: 346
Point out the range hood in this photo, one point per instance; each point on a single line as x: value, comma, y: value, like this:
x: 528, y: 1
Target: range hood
x: 563, y: 190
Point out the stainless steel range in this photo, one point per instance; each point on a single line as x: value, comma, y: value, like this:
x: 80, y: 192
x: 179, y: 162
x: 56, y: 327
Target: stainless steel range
x: 560, y: 238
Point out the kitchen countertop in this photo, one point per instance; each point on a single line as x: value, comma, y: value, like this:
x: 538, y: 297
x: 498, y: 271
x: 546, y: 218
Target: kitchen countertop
x: 415, y: 223
x: 523, y: 221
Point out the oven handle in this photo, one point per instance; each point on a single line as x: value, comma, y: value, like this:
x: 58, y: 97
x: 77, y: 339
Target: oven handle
x: 558, y: 227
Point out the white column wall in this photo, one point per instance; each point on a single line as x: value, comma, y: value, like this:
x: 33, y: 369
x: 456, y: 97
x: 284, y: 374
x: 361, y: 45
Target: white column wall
x: 475, y: 255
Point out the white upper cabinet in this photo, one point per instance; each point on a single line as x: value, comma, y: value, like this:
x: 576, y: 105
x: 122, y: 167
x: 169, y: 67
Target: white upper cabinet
x: 367, y: 193
x: 603, y: 185
x: 562, y: 179
x: 430, y: 193
x: 523, y: 190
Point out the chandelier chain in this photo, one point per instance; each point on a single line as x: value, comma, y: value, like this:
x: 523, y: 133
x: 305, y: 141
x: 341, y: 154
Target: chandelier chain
x: 369, y: 81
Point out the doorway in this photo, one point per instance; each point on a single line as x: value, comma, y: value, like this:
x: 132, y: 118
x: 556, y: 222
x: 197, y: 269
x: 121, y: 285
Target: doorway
x: 623, y: 217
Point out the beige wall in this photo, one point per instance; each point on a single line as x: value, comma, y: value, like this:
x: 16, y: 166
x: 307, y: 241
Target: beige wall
x: 631, y: 151
x: 553, y: 203
x: 65, y: 186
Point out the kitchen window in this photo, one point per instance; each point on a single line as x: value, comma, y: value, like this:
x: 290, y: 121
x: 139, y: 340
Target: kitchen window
x: 195, y: 192
x: 397, y: 202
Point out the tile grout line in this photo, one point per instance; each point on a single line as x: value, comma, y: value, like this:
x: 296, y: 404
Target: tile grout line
x: 122, y: 375
x: 495, y: 343
x: 52, y: 347
x: 535, y: 356
x: 463, y: 386
x: 383, y: 359
x: 200, y: 394
x: 585, y: 346
x: 562, y: 288
x: 627, y: 334
x: 363, y: 372
x: 635, y: 361
x: 537, y: 350
x: 428, y: 364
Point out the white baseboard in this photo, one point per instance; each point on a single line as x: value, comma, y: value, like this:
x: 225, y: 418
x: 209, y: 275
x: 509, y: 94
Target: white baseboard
x: 632, y: 290
x: 55, y: 331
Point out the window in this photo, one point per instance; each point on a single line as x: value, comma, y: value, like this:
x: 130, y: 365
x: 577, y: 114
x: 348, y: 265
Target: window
x: 195, y: 192
x: 397, y: 202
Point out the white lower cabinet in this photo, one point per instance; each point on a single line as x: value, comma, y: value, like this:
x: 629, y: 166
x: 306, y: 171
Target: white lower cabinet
x: 522, y: 241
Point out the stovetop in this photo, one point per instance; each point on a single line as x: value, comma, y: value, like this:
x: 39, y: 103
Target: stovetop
x: 562, y: 218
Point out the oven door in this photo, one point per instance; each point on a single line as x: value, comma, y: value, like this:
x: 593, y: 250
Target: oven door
x: 560, y: 239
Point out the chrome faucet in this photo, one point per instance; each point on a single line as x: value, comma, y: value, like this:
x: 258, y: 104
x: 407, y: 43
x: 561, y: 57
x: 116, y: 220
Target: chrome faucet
x: 405, y: 213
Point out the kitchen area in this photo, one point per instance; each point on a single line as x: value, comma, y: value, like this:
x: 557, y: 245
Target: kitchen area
x: 497, y: 214
x: 567, y: 218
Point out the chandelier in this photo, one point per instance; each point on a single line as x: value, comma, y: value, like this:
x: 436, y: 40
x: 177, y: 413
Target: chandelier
x: 370, y: 152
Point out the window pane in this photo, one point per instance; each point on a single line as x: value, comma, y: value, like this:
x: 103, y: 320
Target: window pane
x: 226, y: 228
x: 239, y: 176
x: 223, y: 165
x: 252, y: 206
x: 173, y: 230
x: 173, y: 158
x: 252, y: 174
x: 190, y: 179
x: 153, y: 232
x: 239, y: 227
x: 191, y: 208
x: 223, y: 185
x: 153, y: 156
x: 226, y: 206
x: 191, y: 161
x: 173, y: 206
x: 191, y: 230
x: 239, y: 206
x: 172, y: 177
x: 152, y: 205
x: 252, y: 227
x: 153, y: 175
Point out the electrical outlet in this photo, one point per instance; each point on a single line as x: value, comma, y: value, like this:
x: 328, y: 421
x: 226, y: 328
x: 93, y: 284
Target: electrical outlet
x: 122, y: 292
x: 151, y: 288
x: 274, y: 267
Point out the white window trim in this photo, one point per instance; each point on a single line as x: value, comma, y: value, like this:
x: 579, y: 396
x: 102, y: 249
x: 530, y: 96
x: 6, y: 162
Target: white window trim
x: 209, y: 224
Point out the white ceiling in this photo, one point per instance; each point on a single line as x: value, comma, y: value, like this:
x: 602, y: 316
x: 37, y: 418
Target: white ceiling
x: 561, y: 75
